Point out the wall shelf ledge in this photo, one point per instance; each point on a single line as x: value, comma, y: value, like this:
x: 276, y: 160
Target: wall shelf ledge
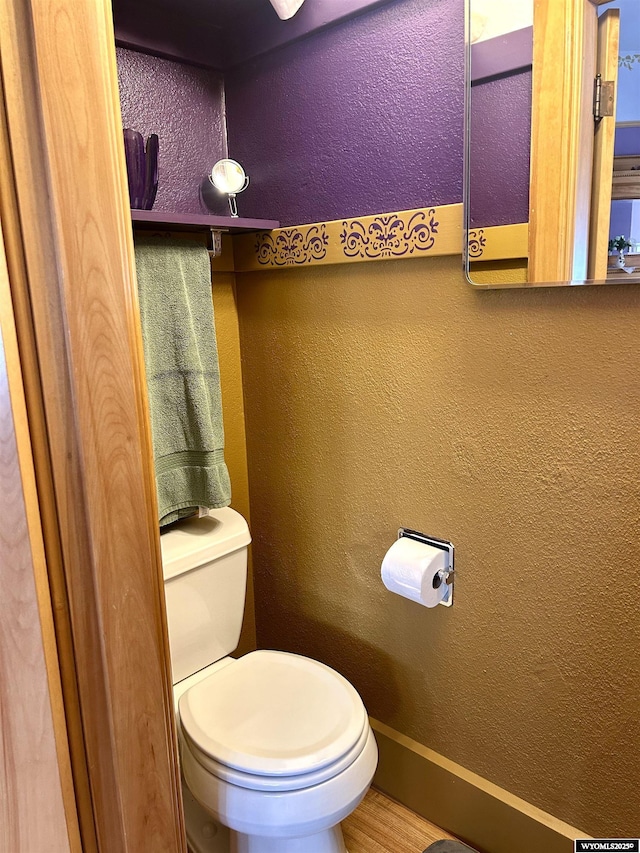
x: 149, y: 219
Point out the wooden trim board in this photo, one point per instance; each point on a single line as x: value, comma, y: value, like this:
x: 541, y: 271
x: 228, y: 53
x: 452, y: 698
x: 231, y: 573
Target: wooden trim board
x: 48, y: 521
x: 498, y: 243
x: 626, y: 185
x: 561, y: 139
x: 604, y: 143
x: 473, y: 809
x: 34, y: 754
x: 80, y: 344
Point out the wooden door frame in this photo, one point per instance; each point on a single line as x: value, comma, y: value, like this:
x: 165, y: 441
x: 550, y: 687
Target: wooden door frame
x: 564, y: 61
x: 34, y: 752
x: 604, y: 148
x: 70, y: 259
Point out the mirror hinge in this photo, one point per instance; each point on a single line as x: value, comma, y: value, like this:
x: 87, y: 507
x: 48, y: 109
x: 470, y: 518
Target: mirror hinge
x: 603, y: 97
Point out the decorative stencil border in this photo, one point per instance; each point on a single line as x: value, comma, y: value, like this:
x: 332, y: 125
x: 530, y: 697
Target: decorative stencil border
x: 477, y: 243
x: 390, y: 235
x: 498, y: 243
x: 628, y: 60
x: 292, y: 246
x: 429, y: 231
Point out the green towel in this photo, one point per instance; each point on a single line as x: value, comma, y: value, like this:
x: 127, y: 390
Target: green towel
x: 183, y: 378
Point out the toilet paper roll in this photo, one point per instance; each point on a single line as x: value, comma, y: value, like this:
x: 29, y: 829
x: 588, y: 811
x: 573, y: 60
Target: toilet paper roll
x: 409, y: 568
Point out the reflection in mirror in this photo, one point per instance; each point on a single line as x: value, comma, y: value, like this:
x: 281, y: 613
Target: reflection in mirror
x: 553, y: 141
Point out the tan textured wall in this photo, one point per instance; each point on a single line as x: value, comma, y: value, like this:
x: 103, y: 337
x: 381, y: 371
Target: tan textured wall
x: 380, y: 395
x: 235, y: 449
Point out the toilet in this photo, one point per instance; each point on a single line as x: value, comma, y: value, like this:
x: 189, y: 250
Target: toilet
x: 275, y: 748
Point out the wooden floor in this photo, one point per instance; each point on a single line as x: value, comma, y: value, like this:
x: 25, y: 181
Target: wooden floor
x: 380, y: 825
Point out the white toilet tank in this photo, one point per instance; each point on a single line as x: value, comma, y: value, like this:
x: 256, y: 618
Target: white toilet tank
x: 205, y: 578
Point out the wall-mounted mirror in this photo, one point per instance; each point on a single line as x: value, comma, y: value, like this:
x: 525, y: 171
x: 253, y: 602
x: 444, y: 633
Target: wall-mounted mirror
x: 553, y: 140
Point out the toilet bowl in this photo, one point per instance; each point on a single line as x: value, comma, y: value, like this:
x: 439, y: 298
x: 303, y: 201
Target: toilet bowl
x: 276, y: 748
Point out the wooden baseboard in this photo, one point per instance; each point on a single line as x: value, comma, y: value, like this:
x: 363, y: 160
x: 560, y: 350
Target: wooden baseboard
x: 478, y: 812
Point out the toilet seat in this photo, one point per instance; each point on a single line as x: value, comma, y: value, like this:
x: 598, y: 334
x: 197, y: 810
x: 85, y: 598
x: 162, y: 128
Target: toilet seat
x: 258, y: 782
x: 274, y: 721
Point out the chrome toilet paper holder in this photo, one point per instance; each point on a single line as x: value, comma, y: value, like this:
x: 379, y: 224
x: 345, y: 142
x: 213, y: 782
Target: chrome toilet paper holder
x: 446, y: 575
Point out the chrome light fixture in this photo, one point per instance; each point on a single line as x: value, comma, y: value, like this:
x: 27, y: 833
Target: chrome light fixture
x: 286, y: 8
x: 228, y: 177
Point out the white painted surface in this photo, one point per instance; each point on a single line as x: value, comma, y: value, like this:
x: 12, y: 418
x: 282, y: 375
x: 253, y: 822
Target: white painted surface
x: 492, y: 18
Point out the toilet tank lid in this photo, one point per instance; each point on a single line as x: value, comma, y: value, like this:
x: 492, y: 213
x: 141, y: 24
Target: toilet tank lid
x: 196, y: 541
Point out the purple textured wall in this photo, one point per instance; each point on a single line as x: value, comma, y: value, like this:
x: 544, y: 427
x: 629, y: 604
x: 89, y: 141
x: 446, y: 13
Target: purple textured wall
x: 181, y: 31
x: 262, y: 31
x: 502, y: 55
x: 500, y: 143
x: 361, y: 118
x: 221, y: 34
x: 627, y: 142
x: 184, y: 106
x: 621, y: 213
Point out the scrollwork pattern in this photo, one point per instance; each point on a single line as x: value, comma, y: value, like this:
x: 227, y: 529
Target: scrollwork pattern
x: 477, y: 243
x: 292, y: 246
x: 628, y: 60
x: 389, y: 236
